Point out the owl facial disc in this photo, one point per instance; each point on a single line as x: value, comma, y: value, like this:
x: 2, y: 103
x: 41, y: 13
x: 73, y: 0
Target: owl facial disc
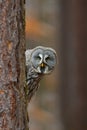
x: 43, y: 60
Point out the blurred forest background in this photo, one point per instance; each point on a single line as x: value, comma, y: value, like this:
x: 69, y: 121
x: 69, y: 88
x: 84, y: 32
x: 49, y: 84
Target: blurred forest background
x: 61, y: 102
x: 41, y: 30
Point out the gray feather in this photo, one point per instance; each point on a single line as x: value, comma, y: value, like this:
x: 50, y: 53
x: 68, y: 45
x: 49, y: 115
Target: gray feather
x: 34, y: 58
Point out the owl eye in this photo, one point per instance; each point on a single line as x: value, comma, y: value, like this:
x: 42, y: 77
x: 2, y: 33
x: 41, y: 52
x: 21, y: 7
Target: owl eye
x: 47, y: 59
x: 38, y: 57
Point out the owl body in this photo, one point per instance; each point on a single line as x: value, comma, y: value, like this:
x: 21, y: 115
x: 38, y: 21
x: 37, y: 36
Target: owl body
x: 39, y: 62
x: 32, y: 81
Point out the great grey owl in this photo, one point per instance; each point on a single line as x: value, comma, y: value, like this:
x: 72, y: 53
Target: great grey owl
x: 39, y: 62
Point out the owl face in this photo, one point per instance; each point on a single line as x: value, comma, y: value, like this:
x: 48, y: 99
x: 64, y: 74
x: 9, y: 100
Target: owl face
x: 43, y: 59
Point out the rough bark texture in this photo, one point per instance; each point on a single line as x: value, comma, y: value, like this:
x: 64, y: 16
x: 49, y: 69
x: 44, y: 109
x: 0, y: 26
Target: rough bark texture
x: 73, y: 64
x: 12, y: 65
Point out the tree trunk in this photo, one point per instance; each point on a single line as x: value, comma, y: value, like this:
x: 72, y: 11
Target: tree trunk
x: 12, y: 65
x: 73, y: 64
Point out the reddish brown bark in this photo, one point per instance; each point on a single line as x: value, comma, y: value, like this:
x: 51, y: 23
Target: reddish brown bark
x: 12, y: 65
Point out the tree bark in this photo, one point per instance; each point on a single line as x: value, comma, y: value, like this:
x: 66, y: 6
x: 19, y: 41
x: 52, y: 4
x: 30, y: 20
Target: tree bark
x: 12, y: 65
x: 73, y: 64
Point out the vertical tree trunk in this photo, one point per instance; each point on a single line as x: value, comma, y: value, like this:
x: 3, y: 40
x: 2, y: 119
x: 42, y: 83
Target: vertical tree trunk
x: 73, y: 64
x: 12, y: 65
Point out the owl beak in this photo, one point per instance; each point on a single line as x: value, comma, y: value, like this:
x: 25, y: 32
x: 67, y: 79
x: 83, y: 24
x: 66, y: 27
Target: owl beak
x: 42, y: 65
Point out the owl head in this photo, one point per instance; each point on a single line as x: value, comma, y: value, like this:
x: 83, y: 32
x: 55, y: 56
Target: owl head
x: 43, y: 59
